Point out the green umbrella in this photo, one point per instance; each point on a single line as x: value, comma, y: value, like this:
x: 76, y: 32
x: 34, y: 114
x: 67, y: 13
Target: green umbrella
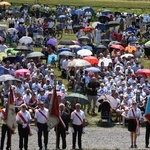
x: 147, y: 43
x: 2, y: 55
x: 10, y: 50
x: 81, y: 98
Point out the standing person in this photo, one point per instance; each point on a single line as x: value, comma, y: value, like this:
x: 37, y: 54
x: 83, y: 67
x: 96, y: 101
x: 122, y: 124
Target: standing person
x: 97, y: 35
x: 78, y: 125
x: 134, y: 116
x: 41, y: 125
x: 5, y: 129
x: 23, y: 119
x: 147, y: 134
x: 62, y: 127
x: 92, y: 88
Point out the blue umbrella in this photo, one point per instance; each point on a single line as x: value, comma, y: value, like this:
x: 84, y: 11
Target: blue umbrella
x: 62, y: 17
x: 3, y: 70
x: 52, y: 57
x: 77, y: 49
x: 87, y: 47
x: 63, y: 49
x: 79, y: 12
x: 92, y: 69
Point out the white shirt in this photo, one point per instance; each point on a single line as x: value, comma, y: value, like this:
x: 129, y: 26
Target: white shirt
x: 27, y: 98
x: 137, y: 113
x: 2, y: 115
x: 26, y: 115
x: 40, y: 118
x: 65, y: 64
x: 75, y: 119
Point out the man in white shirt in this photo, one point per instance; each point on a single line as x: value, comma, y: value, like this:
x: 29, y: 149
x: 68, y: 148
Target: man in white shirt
x: 64, y: 67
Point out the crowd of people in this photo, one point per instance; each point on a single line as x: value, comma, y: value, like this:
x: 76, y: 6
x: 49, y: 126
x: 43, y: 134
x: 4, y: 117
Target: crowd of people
x: 116, y: 75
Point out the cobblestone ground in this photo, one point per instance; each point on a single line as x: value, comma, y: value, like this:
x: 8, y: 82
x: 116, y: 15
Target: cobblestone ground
x: 95, y: 138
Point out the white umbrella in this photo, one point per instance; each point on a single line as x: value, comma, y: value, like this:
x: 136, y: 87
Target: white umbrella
x: 25, y: 40
x: 84, y: 52
x: 3, y: 26
x: 12, y: 30
x: 127, y: 55
x: 78, y: 63
x: 94, y: 24
x: 74, y: 46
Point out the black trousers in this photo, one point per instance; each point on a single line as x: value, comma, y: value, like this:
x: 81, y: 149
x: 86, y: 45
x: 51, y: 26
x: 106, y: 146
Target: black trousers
x: 61, y: 133
x: 42, y: 130
x: 147, y: 134
x: 23, y: 137
x: 77, y: 130
x: 5, y: 129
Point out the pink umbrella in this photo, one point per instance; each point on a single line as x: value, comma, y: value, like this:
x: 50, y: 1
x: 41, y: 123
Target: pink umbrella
x: 21, y: 72
x: 76, y: 42
x: 52, y: 41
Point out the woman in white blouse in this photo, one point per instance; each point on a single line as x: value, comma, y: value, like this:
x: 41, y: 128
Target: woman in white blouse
x: 134, y: 115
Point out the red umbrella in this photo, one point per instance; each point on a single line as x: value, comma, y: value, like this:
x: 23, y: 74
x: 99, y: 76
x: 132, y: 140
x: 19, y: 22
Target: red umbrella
x: 21, y: 72
x: 143, y: 71
x: 91, y: 59
x: 87, y: 29
x: 120, y: 47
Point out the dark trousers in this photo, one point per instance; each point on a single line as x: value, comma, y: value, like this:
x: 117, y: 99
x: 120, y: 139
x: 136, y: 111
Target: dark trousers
x: 42, y: 130
x: 77, y: 130
x: 147, y: 134
x: 5, y: 129
x: 61, y: 133
x: 23, y: 137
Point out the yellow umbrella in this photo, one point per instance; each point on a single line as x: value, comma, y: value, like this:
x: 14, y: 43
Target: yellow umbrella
x: 2, y: 55
x: 130, y: 49
x: 4, y: 3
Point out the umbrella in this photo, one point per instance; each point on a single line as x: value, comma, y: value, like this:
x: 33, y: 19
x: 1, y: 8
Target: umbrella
x: 34, y: 54
x: 12, y: 30
x: 112, y: 24
x: 111, y: 100
x: 3, y: 70
x: 22, y: 48
x: 10, y: 50
x: 2, y: 55
x: 3, y: 26
x: 75, y: 42
x: 143, y: 71
x: 115, y: 46
x: 103, y: 19
x: 74, y: 46
x: 88, y: 28
x: 12, y: 59
x: 26, y: 40
x: 66, y: 53
x: 130, y: 49
x: 1, y: 38
x: 113, y: 42
x: 79, y: 12
x: 83, y: 38
x: 7, y: 77
x: 147, y: 43
x: 127, y: 55
x: 36, y: 6
x: 76, y: 27
x: 91, y: 59
x: 94, y: 24
x: 4, y: 3
x: 81, y: 98
x: 63, y: 49
x: 84, y: 52
x: 78, y: 63
x: 92, y: 69
x: 101, y: 46
x: 87, y: 47
x: 21, y: 72
x: 66, y: 42
x: 62, y: 17
x: 52, y: 57
x: 52, y: 41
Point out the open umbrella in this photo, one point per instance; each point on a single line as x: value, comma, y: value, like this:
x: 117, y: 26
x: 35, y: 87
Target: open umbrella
x: 74, y: 46
x: 34, y: 54
x: 88, y: 28
x: 127, y: 55
x: 52, y: 41
x: 7, y: 77
x: 79, y: 12
x: 66, y: 53
x: 112, y: 24
x: 143, y: 71
x: 10, y: 50
x: 84, y: 39
x: 11, y: 58
x: 77, y: 27
x: 103, y: 19
x: 94, y: 24
x: 3, y: 70
x: 3, y: 26
x: 4, y: 3
x: 62, y: 17
x: 87, y: 47
x: 91, y: 59
x: 92, y: 69
x: 147, y: 43
x: 115, y: 46
x: 1, y: 38
x: 22, y: 48
x: 63, y: 49
x: 111, y: 100
x: 78, y: 63
x: 2, y: 56
x: 25, y: 40
x: 52, y: 57
x: 12, y: 30
x: 36, y: 6
x: 66, y: 42
x: 84, y: 52
x: 130, y: 49
x: 21, y: 72
x: 80, y: 98
x: 101, y: 46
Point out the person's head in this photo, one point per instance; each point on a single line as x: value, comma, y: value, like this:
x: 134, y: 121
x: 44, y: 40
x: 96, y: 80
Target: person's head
x: 134, y: 104
x: 61, y: 106
x: 93, y: 79
x: 23, y: 107
x: 78, y: 106
x: 41, y: 105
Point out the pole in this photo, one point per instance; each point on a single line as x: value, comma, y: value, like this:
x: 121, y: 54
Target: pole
x: 10, y: 138
x: 56, y: 137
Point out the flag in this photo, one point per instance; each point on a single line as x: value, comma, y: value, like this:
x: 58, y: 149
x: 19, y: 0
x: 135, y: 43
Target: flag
x: 10, y: 112
x: 53, y: 115
x: 147, y: 110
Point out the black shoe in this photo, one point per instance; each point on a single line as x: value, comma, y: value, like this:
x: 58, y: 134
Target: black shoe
x: 131, y: 146
x: 135, y: 146
x: 146, y: 146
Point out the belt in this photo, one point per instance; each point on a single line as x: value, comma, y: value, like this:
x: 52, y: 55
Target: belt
x: 77, y: 125
x: 42, y: 123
